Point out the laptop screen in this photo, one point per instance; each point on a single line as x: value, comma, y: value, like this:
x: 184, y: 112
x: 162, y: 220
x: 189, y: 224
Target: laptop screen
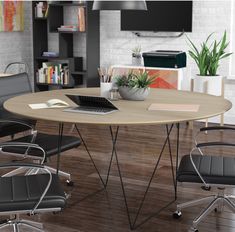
x: 91, y: 101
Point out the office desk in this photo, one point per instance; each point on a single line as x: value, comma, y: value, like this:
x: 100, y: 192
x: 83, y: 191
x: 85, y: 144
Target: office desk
x: 130, y: 113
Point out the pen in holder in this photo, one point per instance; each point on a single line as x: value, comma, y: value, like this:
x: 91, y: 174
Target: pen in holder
x: 105, y: 82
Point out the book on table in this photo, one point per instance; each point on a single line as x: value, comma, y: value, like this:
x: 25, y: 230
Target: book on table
x: 52, y: 103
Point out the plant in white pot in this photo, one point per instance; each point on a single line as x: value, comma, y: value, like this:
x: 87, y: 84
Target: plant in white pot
x: 134, y: 86
x: 207, y: 59
x: 136, y: 56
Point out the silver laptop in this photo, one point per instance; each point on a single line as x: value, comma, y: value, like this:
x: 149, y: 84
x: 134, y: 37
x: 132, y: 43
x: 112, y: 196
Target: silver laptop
x: 91, y: 105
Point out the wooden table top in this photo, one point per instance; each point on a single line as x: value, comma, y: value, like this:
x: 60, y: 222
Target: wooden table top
x: 130, y: 112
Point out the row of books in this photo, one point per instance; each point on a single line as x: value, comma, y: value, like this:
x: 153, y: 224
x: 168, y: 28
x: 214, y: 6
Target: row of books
x: 53, y: 73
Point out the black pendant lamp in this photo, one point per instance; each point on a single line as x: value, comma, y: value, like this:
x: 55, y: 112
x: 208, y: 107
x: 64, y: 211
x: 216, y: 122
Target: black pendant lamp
x: 119, y: 5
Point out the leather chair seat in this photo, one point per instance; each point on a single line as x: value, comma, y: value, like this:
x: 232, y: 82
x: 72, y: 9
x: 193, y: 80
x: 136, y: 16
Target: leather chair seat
x: 214, y: 169
x: 8, y: 128
x: 48, y: 142
x: 23, y: 192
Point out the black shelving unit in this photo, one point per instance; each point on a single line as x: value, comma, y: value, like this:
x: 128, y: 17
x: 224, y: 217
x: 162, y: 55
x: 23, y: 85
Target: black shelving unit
x: 55, y: 18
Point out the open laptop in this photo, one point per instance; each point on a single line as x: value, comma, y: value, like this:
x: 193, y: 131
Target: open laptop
x: 91, y: 105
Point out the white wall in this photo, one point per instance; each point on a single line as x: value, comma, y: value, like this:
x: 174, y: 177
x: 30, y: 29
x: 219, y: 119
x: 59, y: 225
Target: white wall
x: 17, y: 46
x: 208, y: 16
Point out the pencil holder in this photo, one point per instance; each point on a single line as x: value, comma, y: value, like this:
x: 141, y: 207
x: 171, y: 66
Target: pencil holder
x: 105, y: 88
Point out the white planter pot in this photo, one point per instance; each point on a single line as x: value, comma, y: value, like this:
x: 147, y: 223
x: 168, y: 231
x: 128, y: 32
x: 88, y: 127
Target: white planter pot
x: 133, y: 94
x: 208, y: 84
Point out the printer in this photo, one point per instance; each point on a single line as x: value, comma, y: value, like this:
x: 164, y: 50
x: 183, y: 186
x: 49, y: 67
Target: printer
x: 165, y: 59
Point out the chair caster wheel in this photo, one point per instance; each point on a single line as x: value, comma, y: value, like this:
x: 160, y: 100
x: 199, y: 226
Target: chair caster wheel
x: 69, y: 183
x: 177, y: 214
x: 206, y: 188
x: 193, y: 230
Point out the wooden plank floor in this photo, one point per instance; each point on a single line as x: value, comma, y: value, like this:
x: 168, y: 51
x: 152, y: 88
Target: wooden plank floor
x: 138, y: 148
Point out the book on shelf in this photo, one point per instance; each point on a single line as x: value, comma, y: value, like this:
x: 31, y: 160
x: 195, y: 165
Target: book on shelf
x: 81, y: 19
x: 68, y: 28
x: 53, y: 73
x: 52, y: 103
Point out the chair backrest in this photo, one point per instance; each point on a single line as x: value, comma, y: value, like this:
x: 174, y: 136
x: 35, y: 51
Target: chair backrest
x: 16, y: 67
x: 14, y: 85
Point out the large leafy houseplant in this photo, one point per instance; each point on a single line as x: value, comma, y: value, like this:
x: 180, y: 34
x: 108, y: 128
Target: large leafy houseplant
x: 134, y: 86
x: 208, y: 56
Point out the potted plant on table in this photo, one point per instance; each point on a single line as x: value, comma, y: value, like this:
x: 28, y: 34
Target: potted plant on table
x: 207, y: 59
x: 134, y: 86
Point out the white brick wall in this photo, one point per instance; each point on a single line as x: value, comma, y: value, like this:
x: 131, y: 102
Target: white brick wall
x: 208, y: 16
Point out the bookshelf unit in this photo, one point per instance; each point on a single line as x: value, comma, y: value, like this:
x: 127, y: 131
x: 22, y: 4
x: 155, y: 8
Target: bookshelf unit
x: 50, y: 24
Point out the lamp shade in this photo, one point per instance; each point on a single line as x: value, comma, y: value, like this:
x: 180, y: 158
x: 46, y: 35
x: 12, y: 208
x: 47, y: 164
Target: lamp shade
x: 119, y: 5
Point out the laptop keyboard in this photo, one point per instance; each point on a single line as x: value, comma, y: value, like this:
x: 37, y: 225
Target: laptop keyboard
x: 93, y: 109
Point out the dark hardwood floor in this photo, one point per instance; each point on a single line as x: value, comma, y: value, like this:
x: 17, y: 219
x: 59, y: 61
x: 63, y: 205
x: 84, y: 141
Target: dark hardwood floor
x: 138, y: 149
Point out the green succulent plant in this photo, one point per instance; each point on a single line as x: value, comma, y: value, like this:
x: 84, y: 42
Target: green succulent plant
x: 139, y: 80
x: 208, y: 56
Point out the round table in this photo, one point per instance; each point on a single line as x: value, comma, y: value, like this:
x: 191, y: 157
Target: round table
x: 130, y: 113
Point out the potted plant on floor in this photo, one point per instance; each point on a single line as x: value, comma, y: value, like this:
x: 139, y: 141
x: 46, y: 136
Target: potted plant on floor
x: 207, y: 59
x: 134, y: 86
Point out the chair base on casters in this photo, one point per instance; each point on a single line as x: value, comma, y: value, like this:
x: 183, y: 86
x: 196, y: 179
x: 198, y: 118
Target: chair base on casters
x: 216, y: 203
x: 16, y: 223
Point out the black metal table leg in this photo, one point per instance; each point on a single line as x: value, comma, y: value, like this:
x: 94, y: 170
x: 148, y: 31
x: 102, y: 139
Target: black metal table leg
x: 60, y: 137
x: 92, y: 160
x: 177, y: 156
x: 134, y: 225
x: 171, y: 160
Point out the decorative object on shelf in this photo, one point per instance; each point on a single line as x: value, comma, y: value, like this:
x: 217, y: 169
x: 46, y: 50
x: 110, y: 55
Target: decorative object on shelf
x: 207, y: 60
x: 134, y: 86
x: 136, y: 56
x: 11, y: 15
x: 119, y: 5
x: 50, y: 54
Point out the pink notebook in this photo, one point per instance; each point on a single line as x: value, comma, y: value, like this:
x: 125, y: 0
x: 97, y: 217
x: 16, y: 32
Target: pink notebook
x: 174, y: 107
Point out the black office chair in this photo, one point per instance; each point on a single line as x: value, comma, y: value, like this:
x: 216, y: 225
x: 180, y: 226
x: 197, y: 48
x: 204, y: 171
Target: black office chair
x: 12, y: 86
x: 209, y: 170
x: 11, y: 124
x: 29, y: 194
x: 47, y: 142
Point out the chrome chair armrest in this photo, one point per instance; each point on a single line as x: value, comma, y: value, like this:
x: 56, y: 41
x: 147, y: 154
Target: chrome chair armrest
x: 212, y: 128
x: 27, y: 145
x: 17, y: 63
x: 202, y: 145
